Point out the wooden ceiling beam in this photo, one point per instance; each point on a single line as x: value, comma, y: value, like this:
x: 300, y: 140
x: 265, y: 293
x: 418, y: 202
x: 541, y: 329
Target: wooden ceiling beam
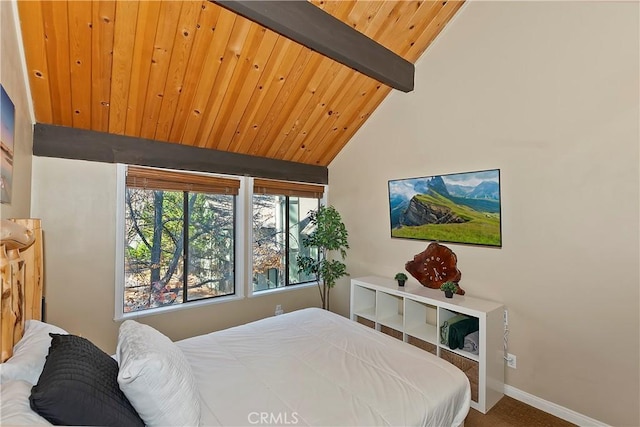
x: 303, y: 22
x: 80, y: 144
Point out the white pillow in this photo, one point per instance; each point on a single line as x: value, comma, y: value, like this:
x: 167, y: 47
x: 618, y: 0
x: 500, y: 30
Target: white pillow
x: 30, y: 353
x: 156, y: 377
x: 14, y: 405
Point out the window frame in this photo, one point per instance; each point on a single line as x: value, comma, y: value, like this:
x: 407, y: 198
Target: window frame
x: 239, y: 252
x: 287, y: 287
x: 243, y: 250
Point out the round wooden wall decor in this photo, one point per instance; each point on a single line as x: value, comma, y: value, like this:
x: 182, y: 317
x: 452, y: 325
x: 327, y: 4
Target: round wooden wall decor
x: 434, y: 266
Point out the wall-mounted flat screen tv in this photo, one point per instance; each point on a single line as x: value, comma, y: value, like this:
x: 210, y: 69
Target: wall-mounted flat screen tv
x: 455, y: 208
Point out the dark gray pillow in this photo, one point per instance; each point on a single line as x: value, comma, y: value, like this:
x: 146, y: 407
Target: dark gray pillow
x: 79, y: 386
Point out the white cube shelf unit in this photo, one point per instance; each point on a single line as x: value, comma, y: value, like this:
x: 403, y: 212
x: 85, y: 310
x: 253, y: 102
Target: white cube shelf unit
x: 418, y: 312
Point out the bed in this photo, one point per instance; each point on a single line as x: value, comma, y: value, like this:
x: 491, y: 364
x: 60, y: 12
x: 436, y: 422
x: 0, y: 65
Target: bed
x: 309, y: 367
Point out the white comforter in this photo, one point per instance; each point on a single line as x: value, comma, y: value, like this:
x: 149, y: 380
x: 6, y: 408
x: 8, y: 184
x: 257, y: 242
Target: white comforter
x: 312, y: 367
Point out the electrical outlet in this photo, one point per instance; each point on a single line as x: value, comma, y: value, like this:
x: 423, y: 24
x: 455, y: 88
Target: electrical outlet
x: 279, y: 310
x: 506, y: 317
x: 511, y: 360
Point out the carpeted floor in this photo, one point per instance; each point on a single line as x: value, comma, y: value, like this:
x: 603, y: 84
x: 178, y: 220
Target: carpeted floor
x: 509, y: 412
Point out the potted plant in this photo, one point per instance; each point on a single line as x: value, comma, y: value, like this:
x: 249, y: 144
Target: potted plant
x: 330, y: 234
x: 449, y: 289
x: 401, y: 278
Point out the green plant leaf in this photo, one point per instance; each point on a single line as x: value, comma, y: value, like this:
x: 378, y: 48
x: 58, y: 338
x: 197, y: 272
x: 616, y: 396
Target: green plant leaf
x: 330, y: 235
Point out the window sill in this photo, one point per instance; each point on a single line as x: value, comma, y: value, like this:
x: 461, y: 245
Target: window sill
x: 283, y: 289
x: 177, y: 307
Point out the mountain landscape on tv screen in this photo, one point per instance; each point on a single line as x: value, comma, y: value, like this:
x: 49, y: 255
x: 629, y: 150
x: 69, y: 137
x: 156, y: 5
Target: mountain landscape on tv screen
x: 461, y: 208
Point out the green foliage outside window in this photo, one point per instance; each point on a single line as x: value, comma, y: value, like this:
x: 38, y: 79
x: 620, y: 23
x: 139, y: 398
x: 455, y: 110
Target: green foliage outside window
x: 161, y: 268
x: 279, y: 225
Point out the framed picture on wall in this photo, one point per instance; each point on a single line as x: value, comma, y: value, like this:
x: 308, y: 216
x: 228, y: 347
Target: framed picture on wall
x: 7, y: 125
x: 455, y: 208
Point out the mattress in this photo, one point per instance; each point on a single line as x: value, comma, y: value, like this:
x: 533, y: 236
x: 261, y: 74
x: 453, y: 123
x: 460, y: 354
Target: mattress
x: 313, y: 367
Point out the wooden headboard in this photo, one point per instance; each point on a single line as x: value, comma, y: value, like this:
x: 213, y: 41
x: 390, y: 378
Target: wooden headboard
x: 21, y: 279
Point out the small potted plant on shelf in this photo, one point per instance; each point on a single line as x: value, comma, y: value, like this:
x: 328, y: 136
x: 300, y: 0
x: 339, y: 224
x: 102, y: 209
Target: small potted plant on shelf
x: 401, y: 278
x: 449, y: 289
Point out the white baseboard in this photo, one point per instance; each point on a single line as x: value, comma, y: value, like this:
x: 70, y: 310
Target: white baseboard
x: 552, y: 408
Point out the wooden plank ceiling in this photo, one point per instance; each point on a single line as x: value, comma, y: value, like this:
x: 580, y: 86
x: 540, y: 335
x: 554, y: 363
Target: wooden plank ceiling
x: 194, y: 73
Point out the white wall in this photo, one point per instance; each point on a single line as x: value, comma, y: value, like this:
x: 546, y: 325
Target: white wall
x: 13, y: 80
x: 548, y: 93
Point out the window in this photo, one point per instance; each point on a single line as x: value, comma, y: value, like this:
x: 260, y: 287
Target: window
x: 280, y: 221
x: 187, y: 239
x: 179, y: 242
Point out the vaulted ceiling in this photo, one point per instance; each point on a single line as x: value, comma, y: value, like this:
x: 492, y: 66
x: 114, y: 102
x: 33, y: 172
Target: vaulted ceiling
x: 191, y: 72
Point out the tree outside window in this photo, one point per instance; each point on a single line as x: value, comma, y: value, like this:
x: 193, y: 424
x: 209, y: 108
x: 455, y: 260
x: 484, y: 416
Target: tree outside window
x: 179, y: 247
x: 279, y: 223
